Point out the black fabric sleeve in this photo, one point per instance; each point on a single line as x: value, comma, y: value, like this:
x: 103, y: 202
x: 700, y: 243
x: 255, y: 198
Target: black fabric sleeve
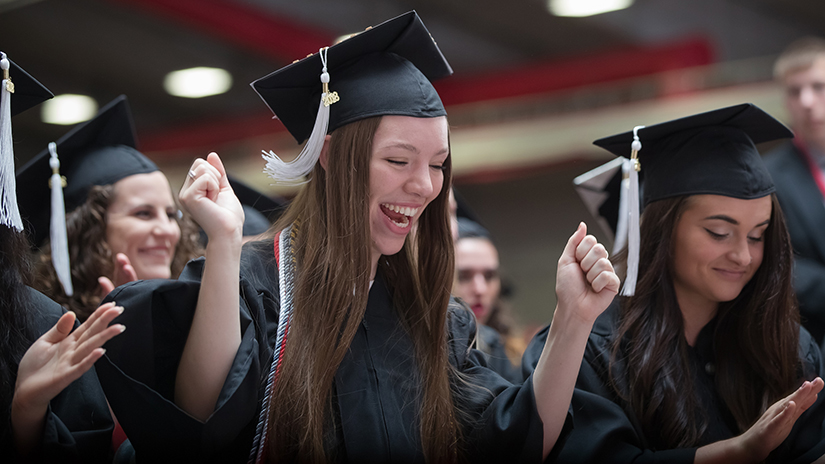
x: 808, y: 276
x: 139, y: 370
x: 502, y: 423
x: 602, y: 432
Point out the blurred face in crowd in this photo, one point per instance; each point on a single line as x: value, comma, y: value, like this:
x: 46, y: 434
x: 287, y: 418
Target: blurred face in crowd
x: 142, y: 224
x: 478, y: 282
x: 805, y: 101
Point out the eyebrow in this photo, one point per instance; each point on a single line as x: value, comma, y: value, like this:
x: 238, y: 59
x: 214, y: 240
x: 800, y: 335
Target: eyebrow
x: 723, y: 217
x: 412, y: 148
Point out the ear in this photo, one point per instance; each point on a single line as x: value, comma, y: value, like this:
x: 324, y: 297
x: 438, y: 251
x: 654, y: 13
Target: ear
x: 325, y: 152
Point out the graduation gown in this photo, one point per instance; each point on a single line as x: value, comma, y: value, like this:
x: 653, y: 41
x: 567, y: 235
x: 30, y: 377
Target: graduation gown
x: 491, y: 344
x: 804, y: 210
x: 78, y: 427
x: 606, y: 430
x: 375, y: 406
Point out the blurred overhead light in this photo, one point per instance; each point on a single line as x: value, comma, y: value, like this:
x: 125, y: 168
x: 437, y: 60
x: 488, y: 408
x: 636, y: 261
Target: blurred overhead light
x: 580, y: 8
x: 197, y: 82
x: 68, y: 109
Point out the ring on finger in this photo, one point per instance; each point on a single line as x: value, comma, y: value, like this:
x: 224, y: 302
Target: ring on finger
x: 191, y: 175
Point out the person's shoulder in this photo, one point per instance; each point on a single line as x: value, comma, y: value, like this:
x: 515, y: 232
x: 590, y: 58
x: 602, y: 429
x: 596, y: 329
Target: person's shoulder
x: 44, y: 311
x: 777, y: 159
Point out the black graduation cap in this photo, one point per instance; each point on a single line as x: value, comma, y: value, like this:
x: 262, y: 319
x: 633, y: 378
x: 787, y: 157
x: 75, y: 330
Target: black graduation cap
x: 100, y: 151
x: 28, y: 92
x: 260, y: 210
x: 707, y: 153
x: 385, y: 70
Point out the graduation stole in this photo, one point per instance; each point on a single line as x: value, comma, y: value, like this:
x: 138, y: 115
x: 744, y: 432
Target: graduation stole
x: 284, y: 241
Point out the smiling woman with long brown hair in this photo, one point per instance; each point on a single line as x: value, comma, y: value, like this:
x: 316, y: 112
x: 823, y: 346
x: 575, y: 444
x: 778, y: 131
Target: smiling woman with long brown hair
x: 340, y: 342
x: 705, y: 360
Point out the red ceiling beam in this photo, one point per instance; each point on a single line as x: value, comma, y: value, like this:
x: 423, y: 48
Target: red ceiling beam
x: 552, y: 76
x: 531, y: 79
x: 250, y: 28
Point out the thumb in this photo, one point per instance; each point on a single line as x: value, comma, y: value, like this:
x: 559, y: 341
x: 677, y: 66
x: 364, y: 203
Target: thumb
x: 569, y: 253
x: 61, y: 329
x: 215, y: 161
x: 126, y: 272
x: 106, y: 286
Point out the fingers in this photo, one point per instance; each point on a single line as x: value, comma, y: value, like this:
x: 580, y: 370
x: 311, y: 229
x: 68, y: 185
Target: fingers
x: 204, y: 177
x: 569, y: 253
x: 100, y: 311
x: 124, y: 271
x: 215, y: 160
x: 61, y: 329
x: 106, y: 286
x: 85, y: 364
x: 98, y: 333
x: 605, y: 280
x: 805, y: 395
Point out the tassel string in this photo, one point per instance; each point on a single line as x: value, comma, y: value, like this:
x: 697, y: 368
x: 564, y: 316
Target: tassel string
x: 9, y: 211
x: 58, y: 235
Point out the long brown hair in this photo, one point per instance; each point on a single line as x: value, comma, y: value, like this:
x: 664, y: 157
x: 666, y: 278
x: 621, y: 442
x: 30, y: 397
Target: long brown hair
x: 756, y: 336
x: 333, y: 256
x: 91, y: 257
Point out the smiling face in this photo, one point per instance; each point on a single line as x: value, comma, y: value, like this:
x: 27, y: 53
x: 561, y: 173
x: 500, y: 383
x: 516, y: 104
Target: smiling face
x: 405, y: 176
x: 717, y: 247
x: 142, y: 224
x: 805, y: 101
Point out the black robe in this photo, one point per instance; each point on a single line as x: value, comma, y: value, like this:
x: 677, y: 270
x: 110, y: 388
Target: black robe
x: 605, y: 429
x: 802, y: 205
x: 78, y: 427
x: 375, y: 401
x: 491, y: 343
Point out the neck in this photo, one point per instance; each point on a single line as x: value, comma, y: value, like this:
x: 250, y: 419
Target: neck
x: 374, y: 260
x: 696, y: 313
x: 815, y: 147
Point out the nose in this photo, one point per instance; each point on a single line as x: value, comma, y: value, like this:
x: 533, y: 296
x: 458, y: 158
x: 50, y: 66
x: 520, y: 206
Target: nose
x: 420, y: 182
x: 166, y: 227
x: 479, y: 283
x: 806, y: 96
x: 741, y: 253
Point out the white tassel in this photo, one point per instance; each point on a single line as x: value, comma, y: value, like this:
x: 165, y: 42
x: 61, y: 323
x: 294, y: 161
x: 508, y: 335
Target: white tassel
x: 292, y: 172
x: 57, y: 233
x: 9, y: 211
x: 621, y: 224
x: 633, y: 236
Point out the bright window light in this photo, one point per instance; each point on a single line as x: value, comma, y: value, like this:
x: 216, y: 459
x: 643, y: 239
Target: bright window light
x: 197, y: 82
x: 580, y: 8
x: 68, y: 109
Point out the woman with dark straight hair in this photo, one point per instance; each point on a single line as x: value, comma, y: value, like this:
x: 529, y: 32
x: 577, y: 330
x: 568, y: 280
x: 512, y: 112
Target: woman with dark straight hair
x: 348, y: 347
x: 705, y: 360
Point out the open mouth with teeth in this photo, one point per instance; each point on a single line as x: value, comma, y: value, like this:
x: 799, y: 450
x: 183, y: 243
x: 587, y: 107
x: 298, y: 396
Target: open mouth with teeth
x: 399, y: 215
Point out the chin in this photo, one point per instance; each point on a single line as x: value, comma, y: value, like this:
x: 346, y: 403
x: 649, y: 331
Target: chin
x: 154, y: 273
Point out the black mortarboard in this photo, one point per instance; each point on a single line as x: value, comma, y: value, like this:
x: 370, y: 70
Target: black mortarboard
x: 707, y: 153
x: 100, y: 151
x: 260, y: 210
x: 385, y: 70
x: 27, y: 91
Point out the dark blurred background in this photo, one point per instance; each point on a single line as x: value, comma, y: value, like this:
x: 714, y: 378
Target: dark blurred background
x: 531, y: 90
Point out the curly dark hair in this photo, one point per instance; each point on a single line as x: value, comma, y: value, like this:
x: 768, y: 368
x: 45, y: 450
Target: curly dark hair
x: 91, y: 257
